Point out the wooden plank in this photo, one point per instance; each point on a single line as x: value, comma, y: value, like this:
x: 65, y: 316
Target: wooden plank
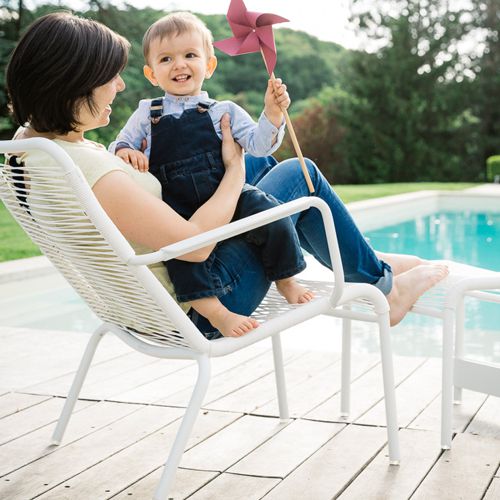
x: 155, y: 391
x: 88, y: 417
x: 121, y: 470
x: 30, y: 419
x: 380, y: 481
x: 47, y: 472
x: 486, y: 421
x: 186, y: 483
x: 97, y: 372
x: 14, y: 402
x: 227, y: 382
x: 332, y: 468
x: 493, y: 491
x: 32, y: 356
x: 176, y: 392
x: 464, y: 472
x: 113, y: 387
x: 236, y: 488
x: 186, y: 377
x: 286, y: 450
x: 263, y: 390
x: 366, y: 391
x: 412, y: 395
x: 430, y: 418
x: 304, y: 397
x: 231, y: 444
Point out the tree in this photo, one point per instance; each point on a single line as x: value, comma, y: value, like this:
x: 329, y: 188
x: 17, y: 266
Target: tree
x: 411, y: 116
x: 487, y: 83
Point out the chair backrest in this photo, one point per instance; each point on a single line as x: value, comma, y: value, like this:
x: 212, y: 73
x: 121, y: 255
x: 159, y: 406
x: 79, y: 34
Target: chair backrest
x: 55, y: 206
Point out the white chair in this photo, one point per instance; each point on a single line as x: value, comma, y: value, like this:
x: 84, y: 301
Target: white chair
x: 445, y: 301
x: 56, y: 207
x: 459, y: 372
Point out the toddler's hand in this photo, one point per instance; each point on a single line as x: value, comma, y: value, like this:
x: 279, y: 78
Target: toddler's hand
x: 135, y: 158
x: 275, y: 101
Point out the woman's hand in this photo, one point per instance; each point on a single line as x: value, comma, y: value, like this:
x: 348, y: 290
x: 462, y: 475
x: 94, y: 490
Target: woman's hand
x: 232, y: 154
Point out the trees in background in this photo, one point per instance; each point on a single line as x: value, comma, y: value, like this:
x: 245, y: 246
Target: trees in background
x: 413, y: 113
x: 421, y: 104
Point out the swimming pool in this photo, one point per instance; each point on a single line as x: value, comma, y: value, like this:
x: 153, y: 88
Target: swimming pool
x: 464, y: 228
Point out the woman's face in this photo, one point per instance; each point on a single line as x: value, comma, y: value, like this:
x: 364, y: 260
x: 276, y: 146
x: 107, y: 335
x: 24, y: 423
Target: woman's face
x: 103, y: 97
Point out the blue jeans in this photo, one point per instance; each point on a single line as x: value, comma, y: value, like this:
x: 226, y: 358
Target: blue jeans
x: 238, y: 265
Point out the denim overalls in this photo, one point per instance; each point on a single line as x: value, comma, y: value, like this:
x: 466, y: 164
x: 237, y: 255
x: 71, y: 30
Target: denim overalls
x: 186, y: 158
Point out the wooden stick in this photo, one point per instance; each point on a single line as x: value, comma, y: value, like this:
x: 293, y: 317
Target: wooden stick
x: 295, y: 143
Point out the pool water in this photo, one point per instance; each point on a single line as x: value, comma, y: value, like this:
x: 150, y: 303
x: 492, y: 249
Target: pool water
x: 47, y: 302
x: 468, y: 237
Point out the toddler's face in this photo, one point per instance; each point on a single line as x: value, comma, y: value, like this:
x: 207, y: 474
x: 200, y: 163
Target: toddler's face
x: 179, y: 64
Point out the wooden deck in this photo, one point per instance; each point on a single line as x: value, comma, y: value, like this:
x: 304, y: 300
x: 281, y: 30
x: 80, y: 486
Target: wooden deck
x: 120, y: 433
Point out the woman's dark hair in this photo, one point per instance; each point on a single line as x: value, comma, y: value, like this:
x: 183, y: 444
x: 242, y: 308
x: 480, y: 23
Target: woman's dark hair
x: 58, y: 63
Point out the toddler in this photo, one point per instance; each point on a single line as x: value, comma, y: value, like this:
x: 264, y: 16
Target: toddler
x: 183, y: 151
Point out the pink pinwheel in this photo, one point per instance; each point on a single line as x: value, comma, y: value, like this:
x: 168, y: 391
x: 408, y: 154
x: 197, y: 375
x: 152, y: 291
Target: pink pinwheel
x: 253, y: 32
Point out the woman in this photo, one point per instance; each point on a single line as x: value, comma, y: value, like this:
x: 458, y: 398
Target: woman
x: 62, y: 79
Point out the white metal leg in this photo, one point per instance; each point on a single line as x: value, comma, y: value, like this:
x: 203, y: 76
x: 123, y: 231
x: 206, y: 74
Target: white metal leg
x: 199, y: 392
x: 459, y: 342
x: 345, y: 384
x: 447, y: 379
x: 279, y: 373
x: 389, y: 389
x: 77, y: 384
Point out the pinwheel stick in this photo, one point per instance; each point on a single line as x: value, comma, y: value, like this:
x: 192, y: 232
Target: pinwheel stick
x: 295, y: 142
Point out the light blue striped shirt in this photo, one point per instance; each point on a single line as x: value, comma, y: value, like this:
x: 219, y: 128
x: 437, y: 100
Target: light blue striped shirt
x: 258, y: 139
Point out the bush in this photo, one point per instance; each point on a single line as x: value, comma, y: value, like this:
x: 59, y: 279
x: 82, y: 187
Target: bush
x: 493, y: 167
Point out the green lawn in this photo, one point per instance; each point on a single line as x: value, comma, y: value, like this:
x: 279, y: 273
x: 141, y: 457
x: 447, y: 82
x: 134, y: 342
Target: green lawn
x: 15, y: 245
x: 350, y: 192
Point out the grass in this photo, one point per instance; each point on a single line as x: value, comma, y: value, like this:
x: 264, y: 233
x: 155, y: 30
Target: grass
x: 358, y: 192
x: 16, y: 245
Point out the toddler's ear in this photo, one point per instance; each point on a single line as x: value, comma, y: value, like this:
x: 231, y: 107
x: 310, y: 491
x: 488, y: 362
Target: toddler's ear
x: 148, y: 73
x: 211, y: 65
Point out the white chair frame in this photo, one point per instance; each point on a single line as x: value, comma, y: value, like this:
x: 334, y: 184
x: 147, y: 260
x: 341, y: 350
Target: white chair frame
x: 63, y: 236
x: 458, y: 371
x: 446, y: 302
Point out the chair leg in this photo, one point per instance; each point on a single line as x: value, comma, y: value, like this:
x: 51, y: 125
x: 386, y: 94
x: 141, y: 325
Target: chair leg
x: 279, y: 373
x: 345, y: 384
x: 447, y: 380
x: 389, y: 389
x: 77, y: 384
x: 185, y: 429
x: 459, y: 343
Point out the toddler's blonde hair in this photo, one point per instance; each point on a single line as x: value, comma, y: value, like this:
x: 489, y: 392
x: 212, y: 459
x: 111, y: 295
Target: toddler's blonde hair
x: 176, y: 24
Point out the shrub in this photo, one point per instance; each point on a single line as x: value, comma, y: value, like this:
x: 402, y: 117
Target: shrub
x: 493, y: 167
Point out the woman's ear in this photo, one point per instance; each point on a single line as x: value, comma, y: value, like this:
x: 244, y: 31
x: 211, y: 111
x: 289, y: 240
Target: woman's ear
x: 211, y: 65
x: 148, y: 73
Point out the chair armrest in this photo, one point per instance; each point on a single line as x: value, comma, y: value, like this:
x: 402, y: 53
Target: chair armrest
x: 234, y: 228
x: 476, y: 284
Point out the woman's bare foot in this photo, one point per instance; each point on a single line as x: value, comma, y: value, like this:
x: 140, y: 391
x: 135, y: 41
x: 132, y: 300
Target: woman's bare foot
x: 293, y: 292
x: 400, y: 263
x: 410, y: 285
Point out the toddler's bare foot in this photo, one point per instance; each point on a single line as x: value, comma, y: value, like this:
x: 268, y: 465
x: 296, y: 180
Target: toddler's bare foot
x: 400, y: 263
x: 231, y: 324
x: 293, y: 292
x: 410, y: 285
